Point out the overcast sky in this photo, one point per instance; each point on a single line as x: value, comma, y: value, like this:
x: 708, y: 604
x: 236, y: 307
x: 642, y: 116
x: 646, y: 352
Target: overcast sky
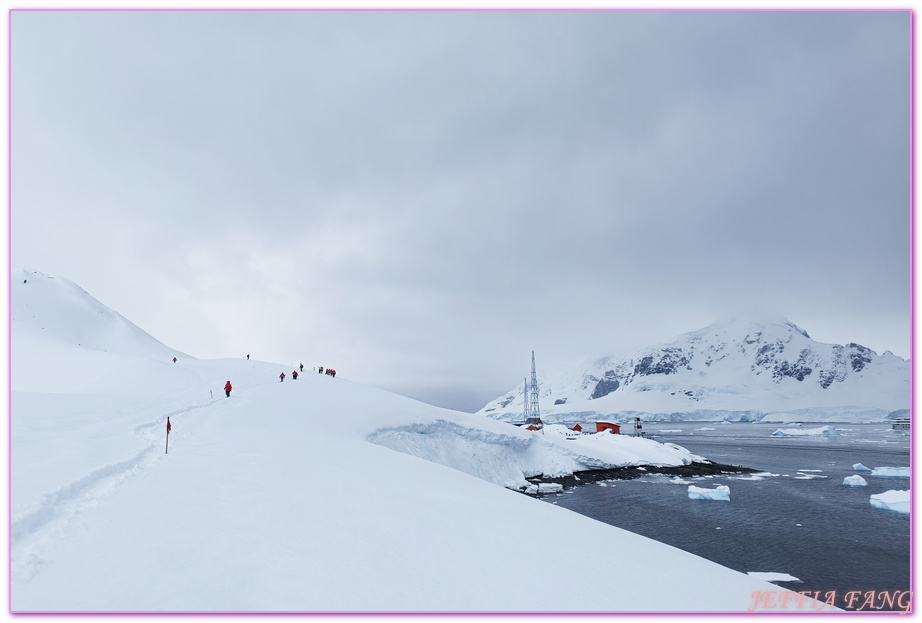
x: 419, y: 199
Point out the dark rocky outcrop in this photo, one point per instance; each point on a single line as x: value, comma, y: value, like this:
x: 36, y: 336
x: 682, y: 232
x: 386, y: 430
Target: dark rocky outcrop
x: 628, y: 473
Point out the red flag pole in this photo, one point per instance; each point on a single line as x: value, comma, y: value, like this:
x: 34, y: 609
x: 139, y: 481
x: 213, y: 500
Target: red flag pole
x: 168, y: 427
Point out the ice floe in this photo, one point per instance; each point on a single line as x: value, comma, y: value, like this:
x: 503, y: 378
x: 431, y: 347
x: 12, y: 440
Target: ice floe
x: 891, y: 472
x: 722, y: 493
x: 544, y: 488
x: 809, y: 474
x: 892, y: 500
x: 771, y: 576
x: 755, y: 476
x: 823, y: 431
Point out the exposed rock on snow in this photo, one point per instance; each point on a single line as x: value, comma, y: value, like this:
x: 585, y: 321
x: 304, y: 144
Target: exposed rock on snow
x: 696, y: 469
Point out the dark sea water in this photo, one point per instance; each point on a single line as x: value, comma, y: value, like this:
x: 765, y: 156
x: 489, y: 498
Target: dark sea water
x: 799, y: 520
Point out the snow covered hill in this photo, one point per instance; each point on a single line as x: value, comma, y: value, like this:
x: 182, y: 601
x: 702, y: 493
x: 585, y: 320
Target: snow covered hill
x: 737, y: 371
x: 64, y: 340
x: 290, y: 496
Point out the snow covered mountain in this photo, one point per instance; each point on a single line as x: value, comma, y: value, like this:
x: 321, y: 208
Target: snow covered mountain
x: 737, y: 371
x: 288, y: 497
x: 60, y: 332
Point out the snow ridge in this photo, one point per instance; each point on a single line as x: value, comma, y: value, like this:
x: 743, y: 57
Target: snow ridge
x: 509, y: 460
x: 496, y: 458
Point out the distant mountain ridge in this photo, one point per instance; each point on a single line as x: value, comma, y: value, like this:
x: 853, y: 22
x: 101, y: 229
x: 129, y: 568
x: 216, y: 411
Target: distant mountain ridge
x: 733, y: 371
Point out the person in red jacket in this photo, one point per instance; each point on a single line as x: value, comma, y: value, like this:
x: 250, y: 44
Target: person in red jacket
x: 281, y: 377
x: 227, y: 388
x: 294, y: 375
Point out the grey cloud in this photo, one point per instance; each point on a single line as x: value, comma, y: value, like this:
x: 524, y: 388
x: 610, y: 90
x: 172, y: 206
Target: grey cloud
x: 463, y: 187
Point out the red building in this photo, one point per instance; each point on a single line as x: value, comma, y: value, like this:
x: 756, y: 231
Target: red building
x: 600, y: 426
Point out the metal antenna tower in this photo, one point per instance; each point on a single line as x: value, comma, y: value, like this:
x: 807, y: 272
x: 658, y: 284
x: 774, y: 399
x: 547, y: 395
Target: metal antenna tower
x: 535, y: 412
x: 526, y: 411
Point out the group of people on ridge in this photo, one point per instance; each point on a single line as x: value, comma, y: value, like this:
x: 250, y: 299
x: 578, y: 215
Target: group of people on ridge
x: 320, y: 370
x: 294, y: 375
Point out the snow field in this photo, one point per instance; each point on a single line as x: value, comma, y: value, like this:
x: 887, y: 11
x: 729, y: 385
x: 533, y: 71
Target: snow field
x: 275, y: 500
x: 263, y: 505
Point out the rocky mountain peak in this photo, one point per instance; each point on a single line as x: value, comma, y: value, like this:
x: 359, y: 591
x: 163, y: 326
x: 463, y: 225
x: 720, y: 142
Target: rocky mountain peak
x: 738, y: 363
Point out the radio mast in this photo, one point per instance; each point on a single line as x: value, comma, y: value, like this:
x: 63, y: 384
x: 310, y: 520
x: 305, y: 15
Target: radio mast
x: 532, y: 412
x: 527, y: 412
x: 533, y: 403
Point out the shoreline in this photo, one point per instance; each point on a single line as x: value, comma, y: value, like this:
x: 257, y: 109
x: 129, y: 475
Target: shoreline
x: 628, y: 473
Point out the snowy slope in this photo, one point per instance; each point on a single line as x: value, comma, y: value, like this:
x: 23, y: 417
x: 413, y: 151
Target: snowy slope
x: 66, y: 340
x: 278, y: 498
x: 734, y: 371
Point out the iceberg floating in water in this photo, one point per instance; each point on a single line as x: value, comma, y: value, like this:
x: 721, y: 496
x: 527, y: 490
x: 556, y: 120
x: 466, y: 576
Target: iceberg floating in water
x: 770, y: 576
x: 544, y: 488
x: 891, y: 472
x: 823, y: 431
x: 855, y: 481
x: 803, y: 475
x: 858, y: 467
x: 897, y: 501
x: 722, y: 493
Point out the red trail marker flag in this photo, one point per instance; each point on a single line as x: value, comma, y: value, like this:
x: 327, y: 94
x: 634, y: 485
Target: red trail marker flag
x: 168, y: 429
